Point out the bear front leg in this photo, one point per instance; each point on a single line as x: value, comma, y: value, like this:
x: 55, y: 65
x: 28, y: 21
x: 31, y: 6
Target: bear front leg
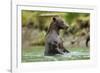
x: 56, y: 48
x: 63, y: 48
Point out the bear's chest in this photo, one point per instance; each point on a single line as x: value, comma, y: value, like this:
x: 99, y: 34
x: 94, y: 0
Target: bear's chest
x: 58, y: 39
x: 54, y: 38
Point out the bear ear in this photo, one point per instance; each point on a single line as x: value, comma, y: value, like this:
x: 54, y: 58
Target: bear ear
x: 54, y: 18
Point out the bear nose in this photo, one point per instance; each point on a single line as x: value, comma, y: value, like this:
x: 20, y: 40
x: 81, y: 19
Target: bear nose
x: 67, y: 26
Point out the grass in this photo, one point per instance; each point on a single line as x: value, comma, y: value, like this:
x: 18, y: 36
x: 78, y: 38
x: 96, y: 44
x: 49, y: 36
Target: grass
x: 36, y: 54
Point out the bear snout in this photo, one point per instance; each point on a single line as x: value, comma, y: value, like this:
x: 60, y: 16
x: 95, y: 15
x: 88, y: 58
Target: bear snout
x: 66, y: 26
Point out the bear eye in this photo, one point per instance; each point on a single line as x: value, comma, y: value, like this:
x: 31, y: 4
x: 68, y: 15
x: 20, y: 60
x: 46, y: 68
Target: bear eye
x: 61, y: 22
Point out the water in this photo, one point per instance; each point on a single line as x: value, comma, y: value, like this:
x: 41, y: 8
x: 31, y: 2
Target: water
x: 37, y: 55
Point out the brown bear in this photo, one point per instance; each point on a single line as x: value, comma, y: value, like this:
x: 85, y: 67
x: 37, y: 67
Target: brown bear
x: 53, y: 42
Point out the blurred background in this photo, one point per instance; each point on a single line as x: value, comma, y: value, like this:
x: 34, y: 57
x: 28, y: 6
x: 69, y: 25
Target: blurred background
x: 35, y: 25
